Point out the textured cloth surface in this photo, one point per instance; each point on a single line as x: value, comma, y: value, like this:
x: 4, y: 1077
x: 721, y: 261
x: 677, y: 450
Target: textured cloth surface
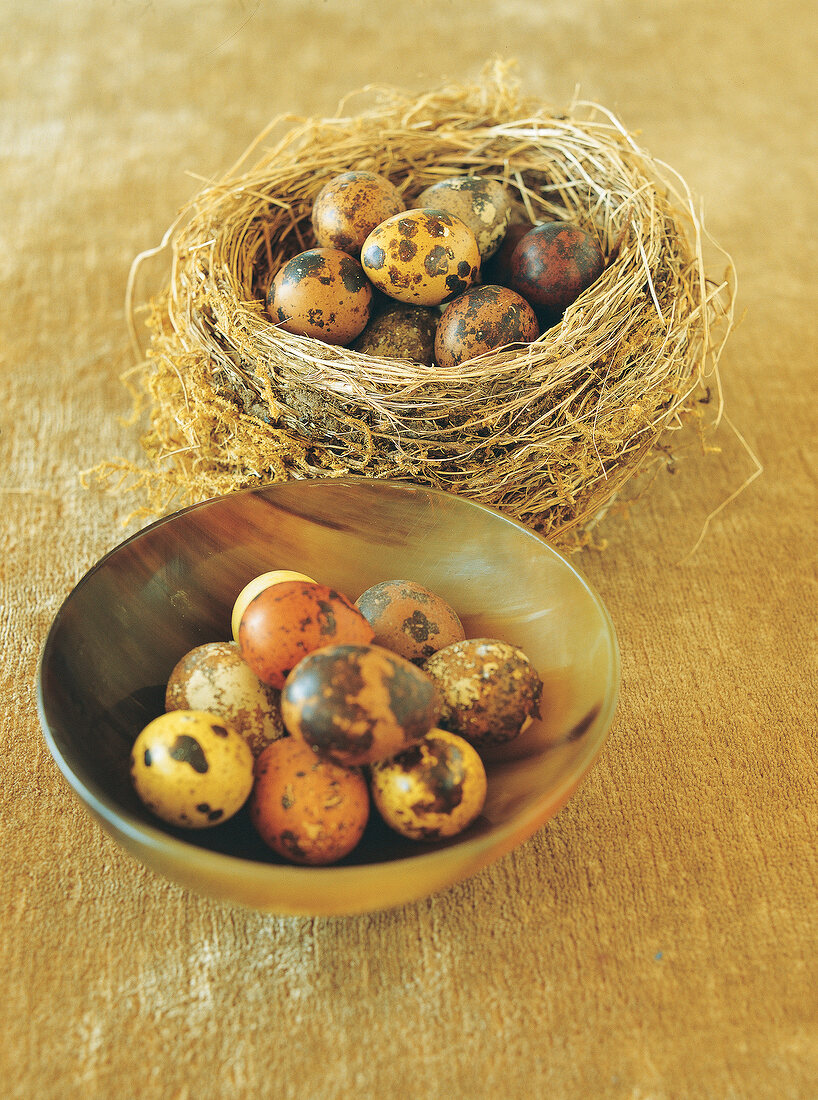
x: 657, y: 938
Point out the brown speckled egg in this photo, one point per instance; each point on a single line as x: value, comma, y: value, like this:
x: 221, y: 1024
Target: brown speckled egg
x: 401, y: 332
x: 289, y: 620
x: 214, y: 677
x: 349, y: 206
x: 483, y: 319
x: 553, y: 263
x: 433, y: 790
x: 191, y: 768
x: 483, y: 204
x: 258, y: 584
x: 309, y: 810
x: 322, y: 293
x: 423, y: 257
x: 357, y: 703
x: 409, y: 619
x: 486, y: 689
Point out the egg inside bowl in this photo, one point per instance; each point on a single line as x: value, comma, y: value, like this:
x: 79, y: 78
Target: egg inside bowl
x: 171, y: 587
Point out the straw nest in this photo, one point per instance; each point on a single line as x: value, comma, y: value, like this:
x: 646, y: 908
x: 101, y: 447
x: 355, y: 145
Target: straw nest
x: 549, y: 433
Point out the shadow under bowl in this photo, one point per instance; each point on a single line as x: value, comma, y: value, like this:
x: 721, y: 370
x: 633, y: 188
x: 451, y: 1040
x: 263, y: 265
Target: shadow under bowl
x: 118, y: 635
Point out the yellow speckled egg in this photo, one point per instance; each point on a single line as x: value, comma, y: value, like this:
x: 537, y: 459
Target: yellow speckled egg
x: 433, y: 790
x: 483, y: 204
x: 349, y: 206
x: 322, y: 293
x: 357, y: 703
x: 215, y: 678
x: 256, y: 585
x: 309, y: 810
x: 483, y: 319
x: 423, y: 257
x: 486, y: 689
x: 192, y: 768
x: 409, y: 619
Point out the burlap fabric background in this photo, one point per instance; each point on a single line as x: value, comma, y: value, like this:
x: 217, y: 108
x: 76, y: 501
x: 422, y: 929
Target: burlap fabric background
x: 657, y: 939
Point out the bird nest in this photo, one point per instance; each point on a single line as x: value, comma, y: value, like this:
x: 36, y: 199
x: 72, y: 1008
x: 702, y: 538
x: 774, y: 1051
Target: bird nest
x: 548, y: 433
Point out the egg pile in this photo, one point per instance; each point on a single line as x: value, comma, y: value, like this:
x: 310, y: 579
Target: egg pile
x: 444, y: 281
x: 320, y: 708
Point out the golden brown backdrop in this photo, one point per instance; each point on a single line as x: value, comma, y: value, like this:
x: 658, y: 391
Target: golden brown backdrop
x: 657, y: 939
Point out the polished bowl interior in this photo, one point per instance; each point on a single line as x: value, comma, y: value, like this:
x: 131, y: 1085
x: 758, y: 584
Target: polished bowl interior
x: 171, y: 587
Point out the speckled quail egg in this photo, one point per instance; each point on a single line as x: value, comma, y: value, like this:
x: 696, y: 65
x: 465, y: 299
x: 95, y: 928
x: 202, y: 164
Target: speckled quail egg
x: 192, y: 768
x: 215, y: 678
x: 289, y: 620
x: 401, y: 331
x: 349, y: 206
x: 309, y: 810
x: 483, y: 204
x: 357, y: 703
x: 483, y: 319
x: 433, y: 790
x: 423, y: 257
x: 409, y: 619
x: 486, y: 689
x: 322, y: 293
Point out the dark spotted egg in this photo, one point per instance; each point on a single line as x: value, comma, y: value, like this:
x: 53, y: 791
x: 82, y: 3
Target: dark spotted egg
x: 433, y: 790
x: 483, y: 204
x: 483, y: 319
x: 322, y: 293
x: 487, y: 689
x: 191, y: 768
x: 349, y: 206
x: 409, y: 619
x: 354, y: 704
x: 422, y: 256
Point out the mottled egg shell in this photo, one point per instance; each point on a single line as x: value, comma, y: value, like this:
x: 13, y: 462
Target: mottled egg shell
x: 409, y: 619
x: 480, y: 320
x: 289, y: 620
x: 486, y: 689
x: 256, y: 585
x: 433, y: 790
x: 357, y: 703
x: 349, y: 206
x: 215, y: 678
x: 322, y: 293
x: 483, y: 204
x: 553, y: 263
x: 309, y: 810
x: 192, y: 768
x: 401, y: 332
x: 423, y: 257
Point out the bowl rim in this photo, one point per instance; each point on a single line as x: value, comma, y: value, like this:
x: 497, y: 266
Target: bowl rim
x: 472, y: 850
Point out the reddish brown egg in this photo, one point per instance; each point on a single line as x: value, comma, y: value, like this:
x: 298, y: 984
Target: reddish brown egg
x: 486, y: 688
x: 309, y: 810
x: 349, y: 206
x: 354, y: 704
x: 409, y: 619
x: 322, y: 293
x: 553, y: 263
x: 289, y: 620
x: 483, y: 319
x: 423, y: 257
